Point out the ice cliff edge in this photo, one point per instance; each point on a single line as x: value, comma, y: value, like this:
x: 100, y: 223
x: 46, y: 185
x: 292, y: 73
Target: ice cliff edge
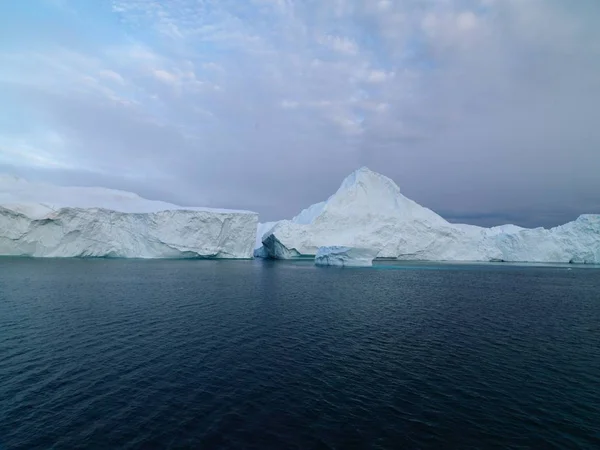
x: 369, y: 211
x: 44, y: 220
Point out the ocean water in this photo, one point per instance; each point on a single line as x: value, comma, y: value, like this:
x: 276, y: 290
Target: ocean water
x: 113, y: 354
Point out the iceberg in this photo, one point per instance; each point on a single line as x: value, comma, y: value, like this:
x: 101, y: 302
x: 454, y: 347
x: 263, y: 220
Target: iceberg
x: 44, y: 220
x: 305, y: 217
x: 369, y: 211
x: 345, y: 256
x: 261, y: 229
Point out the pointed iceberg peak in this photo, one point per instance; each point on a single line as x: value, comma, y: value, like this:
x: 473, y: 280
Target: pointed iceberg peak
x: 366, y: 191
x: 362, y: 172
x: 362, y: 190
x: 370, y: 181
x: 364, y: 169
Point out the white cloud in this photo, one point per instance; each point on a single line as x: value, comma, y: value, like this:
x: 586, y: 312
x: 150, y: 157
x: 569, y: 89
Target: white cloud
x: 443, y: 25
x: 167, y: 77
x: 466, y: 20
x: 16, y: 150
x: 441, y: 95
x: 339, y: 44
x: 289, y: 104
x: 112, y: 75
x: 349, y: 125
x: 379, y: 76
x: 212, y: 66
x: 384, y: 5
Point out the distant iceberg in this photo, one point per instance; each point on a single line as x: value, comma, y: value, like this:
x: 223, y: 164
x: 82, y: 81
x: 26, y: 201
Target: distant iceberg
x: 368, y: 211
x: 44, y: 220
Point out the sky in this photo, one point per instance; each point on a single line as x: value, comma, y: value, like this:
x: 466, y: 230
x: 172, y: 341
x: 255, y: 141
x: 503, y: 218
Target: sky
x: 485, y: 111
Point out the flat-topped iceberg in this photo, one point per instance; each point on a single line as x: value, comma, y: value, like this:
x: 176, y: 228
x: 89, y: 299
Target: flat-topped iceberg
x: 368, y: 211
x: 345, y: 256
x: 55, y: 221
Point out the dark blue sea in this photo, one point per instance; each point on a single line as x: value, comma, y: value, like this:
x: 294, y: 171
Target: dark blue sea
x: 113, y: 354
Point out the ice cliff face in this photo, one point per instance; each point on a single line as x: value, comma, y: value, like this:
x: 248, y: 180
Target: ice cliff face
x: 261, y: 229
x: 368, y: 211
x: 54, y: 221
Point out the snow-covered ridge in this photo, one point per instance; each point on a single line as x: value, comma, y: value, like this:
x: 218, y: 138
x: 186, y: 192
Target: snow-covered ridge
x: 368, y: 211
x: 22, y: 194
x: 38, y: 219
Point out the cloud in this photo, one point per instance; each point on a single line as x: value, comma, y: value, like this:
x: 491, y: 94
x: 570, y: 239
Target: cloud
x: 483, y: 110
x: 379, y: 76
x: 112, y: 76
x: 289, y: 104
x: 166, y: 77
x: 339, y: 44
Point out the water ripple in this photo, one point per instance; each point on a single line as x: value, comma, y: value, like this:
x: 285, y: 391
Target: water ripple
x: 227, y: 354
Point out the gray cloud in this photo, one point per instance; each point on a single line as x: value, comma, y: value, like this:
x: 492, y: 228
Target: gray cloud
x: 482, y: 110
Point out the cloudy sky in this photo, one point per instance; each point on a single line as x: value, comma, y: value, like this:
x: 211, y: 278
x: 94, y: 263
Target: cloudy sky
x: 486, y: 111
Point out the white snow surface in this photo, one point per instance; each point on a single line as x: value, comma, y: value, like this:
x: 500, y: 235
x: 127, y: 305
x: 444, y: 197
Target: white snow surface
x: 43, y: 220
x: 345, y: 256
x: 369, y: 211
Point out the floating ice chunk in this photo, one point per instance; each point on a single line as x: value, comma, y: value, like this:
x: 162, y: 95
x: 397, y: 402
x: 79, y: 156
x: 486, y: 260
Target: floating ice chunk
x: 345, y: 256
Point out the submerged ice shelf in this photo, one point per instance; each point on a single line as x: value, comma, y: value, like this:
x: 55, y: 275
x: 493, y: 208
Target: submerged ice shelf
x: 368, y: 211
x: 345, y: 257
x: 54, y: 221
